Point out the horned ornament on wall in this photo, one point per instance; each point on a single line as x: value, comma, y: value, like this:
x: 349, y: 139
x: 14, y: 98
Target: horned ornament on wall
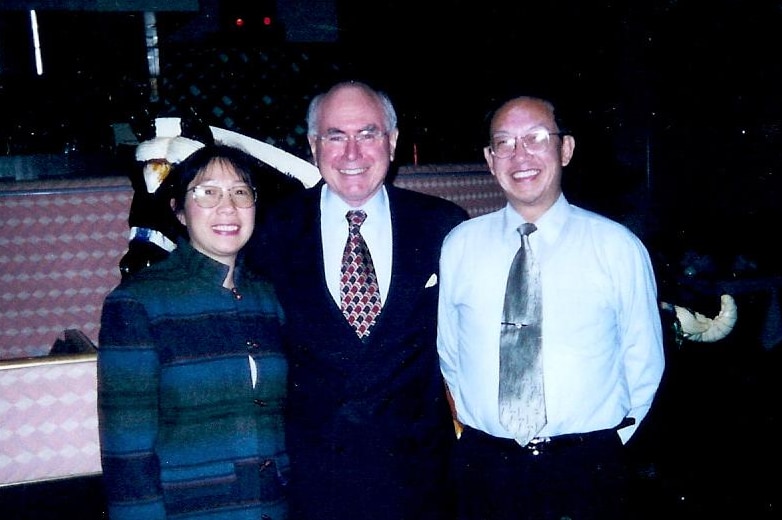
x: 694, y: 326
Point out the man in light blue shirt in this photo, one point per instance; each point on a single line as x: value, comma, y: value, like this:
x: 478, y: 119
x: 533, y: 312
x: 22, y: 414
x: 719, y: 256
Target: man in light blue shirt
x: 601, y: 335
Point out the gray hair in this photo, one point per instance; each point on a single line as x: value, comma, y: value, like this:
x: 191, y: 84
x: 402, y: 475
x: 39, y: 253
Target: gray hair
x: 313, y: 112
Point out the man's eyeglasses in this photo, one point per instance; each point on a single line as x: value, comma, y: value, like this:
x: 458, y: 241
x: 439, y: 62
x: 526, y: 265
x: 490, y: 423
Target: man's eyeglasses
x: 504, y: 146
x: 242, y: 196
x: 339, y: 140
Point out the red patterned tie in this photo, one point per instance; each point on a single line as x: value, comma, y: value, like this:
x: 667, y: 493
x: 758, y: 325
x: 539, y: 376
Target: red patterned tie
x: 358, y: 285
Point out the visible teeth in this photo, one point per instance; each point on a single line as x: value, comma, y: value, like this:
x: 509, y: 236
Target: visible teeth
x: 226, y: 228
x: 352, y: 171
x: 525, y: 174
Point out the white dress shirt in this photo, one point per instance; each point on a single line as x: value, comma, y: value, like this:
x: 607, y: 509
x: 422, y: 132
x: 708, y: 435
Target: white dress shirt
x: 602, y: 336
x: 376, y: 231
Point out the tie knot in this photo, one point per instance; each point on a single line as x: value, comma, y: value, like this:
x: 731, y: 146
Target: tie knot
x: 527, y: 228
x: 356, y: 217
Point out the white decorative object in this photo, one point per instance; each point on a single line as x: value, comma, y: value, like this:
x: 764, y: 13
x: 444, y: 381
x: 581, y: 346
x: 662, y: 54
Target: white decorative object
x: 280, y: 160
x: 697, y: 327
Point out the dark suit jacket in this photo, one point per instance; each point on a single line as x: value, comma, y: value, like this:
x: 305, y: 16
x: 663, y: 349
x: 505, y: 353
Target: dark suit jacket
x: 369, y: 427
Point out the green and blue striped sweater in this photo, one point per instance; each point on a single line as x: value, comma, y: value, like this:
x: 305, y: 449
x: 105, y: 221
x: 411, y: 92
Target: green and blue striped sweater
x: 183, y: 431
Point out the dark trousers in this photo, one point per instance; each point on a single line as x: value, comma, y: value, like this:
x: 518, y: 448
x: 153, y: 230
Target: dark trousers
x: 574, y: 477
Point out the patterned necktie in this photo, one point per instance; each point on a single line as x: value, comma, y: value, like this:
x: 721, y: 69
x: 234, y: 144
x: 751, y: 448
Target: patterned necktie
x: 358, y: 285
x: 521, y: 401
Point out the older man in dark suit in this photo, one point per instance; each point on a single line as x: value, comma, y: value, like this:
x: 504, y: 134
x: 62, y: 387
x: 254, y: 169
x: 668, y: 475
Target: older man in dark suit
x: 369, y: 428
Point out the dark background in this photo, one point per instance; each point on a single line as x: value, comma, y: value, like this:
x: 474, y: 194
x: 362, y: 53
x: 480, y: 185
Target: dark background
x: 676, y: 110
x: 674, y: 104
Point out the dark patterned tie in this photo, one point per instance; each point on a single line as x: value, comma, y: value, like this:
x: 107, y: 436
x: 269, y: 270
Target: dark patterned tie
x: 358, y: 285
x: 521, y: 401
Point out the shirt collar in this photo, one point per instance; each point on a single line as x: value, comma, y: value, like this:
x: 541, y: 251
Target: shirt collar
x: 549, y: 225
x: 333, y: 208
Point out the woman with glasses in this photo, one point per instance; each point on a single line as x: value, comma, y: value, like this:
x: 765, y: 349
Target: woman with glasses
x: 191, y: 376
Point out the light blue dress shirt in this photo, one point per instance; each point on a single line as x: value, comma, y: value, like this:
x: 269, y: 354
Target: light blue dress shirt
x: 602, y: 335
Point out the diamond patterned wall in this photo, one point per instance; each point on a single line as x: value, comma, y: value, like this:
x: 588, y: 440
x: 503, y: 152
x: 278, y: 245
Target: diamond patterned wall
x: 59, y: 253
x: 469, y: 185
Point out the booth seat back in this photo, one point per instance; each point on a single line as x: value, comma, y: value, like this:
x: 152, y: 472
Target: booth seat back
x: 60, y: 246
x: 61, y: 243
x: 469, y: 185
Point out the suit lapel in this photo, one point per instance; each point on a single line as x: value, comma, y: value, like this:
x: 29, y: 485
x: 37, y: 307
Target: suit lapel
x: 408, y: 277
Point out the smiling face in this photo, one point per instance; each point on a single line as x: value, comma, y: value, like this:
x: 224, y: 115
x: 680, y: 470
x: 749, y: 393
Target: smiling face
x: 354, y: 169
x: 532, y: 182
x: 218, y: 232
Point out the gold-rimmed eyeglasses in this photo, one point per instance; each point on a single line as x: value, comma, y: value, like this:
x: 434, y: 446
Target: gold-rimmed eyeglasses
x: 503, y: 146
x: 243, y: 196
x: 339, y: 140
